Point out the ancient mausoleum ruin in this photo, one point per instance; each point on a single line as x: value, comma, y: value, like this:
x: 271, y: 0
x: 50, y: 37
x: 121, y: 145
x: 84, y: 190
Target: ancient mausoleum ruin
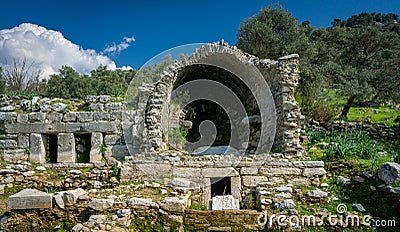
x: 136, y: 130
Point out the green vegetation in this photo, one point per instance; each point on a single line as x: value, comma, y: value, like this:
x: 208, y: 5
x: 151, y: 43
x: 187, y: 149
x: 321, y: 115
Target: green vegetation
x: 69, y: 84
x: 338, y: 145
x: 177, y: 137
x: 197, y: 206
x: 103, y: 149
x: 359, y: 57
x: 382, y: 114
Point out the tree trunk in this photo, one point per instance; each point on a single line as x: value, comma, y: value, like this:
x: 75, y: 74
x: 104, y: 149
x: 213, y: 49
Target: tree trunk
x: 346, y: 108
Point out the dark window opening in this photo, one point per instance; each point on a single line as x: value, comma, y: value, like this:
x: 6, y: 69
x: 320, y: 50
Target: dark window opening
x: 220, y: 187
x: 51, y: 148
x: 201, y: 110
x: 82, y: 147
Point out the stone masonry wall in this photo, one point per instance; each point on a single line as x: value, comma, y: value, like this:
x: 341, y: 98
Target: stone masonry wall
x: 27, y: 127
x: 282, y: 77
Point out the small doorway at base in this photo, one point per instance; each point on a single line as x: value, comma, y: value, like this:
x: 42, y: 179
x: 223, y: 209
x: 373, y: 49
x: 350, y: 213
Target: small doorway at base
x: 51, y: 141
x: 220, y: 186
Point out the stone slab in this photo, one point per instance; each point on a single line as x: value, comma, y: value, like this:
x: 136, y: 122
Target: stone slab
x: 96, y: 141
x: 37, y: 148
x: 310, y: 172
x: 224, y: 202
x: 186, y: 172
x: 66, y: 148
x: 219, y: 172
x: 30, y: 199
x: 389, y: 173
x: 252, y: 181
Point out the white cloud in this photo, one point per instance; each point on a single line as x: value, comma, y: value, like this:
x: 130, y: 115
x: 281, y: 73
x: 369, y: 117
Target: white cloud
x: 49, y: 50
x: 115, y: 49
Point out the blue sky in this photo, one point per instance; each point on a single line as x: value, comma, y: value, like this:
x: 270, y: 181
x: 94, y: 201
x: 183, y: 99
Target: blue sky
x: 160, y: 25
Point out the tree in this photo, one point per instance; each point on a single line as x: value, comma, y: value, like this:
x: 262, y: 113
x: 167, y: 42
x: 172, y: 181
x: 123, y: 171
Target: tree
x: 22, y: 76
x: 112, y: 82
x: 358, y: 57
x: 64, y: 83
x: 272, y: 33
x: 70, y: 84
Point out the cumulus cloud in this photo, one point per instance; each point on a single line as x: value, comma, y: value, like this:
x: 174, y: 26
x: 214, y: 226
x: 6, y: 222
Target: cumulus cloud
x: 49, y: 50
x: 115, y: 49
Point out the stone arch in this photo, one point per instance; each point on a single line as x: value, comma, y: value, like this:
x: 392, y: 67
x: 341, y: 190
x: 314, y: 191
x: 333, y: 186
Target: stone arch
x: 157, y: 107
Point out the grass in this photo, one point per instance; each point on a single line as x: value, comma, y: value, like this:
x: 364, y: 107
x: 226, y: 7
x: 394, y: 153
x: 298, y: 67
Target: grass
x: 382, y: 115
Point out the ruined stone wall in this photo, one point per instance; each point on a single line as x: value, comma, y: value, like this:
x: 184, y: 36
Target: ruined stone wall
x: 194, y: 174
x: 377, y: 131
x: 56, y: 130
x: 282, y: 76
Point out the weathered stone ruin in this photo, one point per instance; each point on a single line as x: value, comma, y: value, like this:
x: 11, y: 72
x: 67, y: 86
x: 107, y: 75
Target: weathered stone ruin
x: 134, y: 135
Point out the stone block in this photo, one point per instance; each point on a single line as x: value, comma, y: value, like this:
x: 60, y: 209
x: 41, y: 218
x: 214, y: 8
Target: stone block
x: 139, y: 202
x: 182, y: 182
x: 22, y: 118
x: 113, y: 106
x: 58, y: 199
x: 389, y: 173
x: 155, y: 170
x: 96, y: 141
x: 8, y: 143
x: 248, y: 171
x: 96, y: 107
x: 14, y: 155
x: 54, y: 117
x: 310, y: 172
x: 8, y: 116
x: 236, y: 187
x: 84, y: 116
x: 313, y: 164
x: 37, y: 148
x: 37, y: 117
x: 66, y: 148
x: 173, y: 204
x: 224, y: 202
x: 126, y: 173
x: 101, y: 204
x: 105, y: 127
x: 279, y: 163
x: 116, y: 116
x: 112, y: 139
x: 104, y: 98
x: 23, y: 141
x: 68, y: 127
x: 101, y: 116
x: 252, y: 181
x: 30, y: 199
x: 117, y: 151
x: 91, y: 99
x: 70, y: 197
x: 186, y: 172
x: 69, y: 117
x: 59, y: 107
x: 299, y: 181
x: 219, y: 172
x: 271, y: 171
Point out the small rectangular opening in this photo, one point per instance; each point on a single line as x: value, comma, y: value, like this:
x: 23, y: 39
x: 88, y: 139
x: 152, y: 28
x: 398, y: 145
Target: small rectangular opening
x: 51, y: 148
x: 82, y: 147
x: 220, y: 186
